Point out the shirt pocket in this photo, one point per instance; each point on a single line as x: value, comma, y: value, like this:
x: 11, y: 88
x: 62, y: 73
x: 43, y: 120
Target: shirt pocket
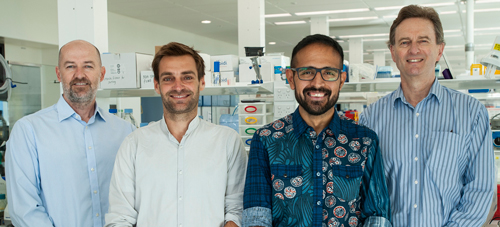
x: 346, y: 181
x: 287, y: 181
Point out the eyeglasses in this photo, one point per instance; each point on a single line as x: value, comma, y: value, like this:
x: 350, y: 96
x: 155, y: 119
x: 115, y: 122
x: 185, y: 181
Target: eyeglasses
x: 309, y: 73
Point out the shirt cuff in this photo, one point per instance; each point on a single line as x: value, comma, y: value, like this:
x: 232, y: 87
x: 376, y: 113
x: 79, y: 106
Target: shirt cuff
x: 257, y: 216
x: 233, y: 218
x: 374, y: 221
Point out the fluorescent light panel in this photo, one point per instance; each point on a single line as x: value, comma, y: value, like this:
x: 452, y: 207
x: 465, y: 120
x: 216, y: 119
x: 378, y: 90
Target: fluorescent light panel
x: 486, y: 29
x: 387, y: 8
x: 332, y: 12
x: 361, y: 36
x: 206, y: 22
x: 390, y: 16
x: 277, y: 15
x: 290, y: 22
x: 352, y: 19
x: 373, y: 40
x: 439, y: 4
x: 448, y: 12
x: 483, y: 10
x: 453, y: 30
x: 486, y: 1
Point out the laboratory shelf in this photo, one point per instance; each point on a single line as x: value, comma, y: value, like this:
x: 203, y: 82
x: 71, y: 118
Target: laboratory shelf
x: 393, y: 84
x: 240, y: 89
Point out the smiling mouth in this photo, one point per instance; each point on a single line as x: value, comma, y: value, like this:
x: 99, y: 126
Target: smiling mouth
x: 179, y: 96
x: 414, y: 60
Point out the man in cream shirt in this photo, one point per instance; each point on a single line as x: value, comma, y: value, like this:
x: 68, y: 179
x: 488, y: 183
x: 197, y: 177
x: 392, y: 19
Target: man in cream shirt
x: 179, y: 171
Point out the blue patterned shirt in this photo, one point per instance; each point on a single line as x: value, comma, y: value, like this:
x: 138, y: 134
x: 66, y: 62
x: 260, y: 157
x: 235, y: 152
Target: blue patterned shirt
x: 296, y: 177
x: 438, y: 157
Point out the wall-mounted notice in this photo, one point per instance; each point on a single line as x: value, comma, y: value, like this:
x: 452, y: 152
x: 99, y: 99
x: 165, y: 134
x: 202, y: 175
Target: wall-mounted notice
x: 123, y: 70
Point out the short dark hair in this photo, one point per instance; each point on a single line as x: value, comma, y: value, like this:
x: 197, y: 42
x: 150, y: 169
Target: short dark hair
x: 319, y: 39
x: 415, y: 11
x: 177, y: 49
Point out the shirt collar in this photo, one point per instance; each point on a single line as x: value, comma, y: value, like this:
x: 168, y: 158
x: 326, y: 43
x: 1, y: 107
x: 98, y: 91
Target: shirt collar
x: 436, y: 91
x: 191, y: 127
x: 65, y: 111
x: 300, y: 126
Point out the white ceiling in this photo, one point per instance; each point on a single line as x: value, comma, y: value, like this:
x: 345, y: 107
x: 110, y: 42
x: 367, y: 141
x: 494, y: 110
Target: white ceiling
x: 187, y: 15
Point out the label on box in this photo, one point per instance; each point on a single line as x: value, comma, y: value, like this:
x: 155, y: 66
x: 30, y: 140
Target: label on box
x: 147, y: 80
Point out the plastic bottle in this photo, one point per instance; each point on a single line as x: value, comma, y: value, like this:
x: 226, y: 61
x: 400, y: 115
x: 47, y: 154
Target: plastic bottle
x: 216, y: 80
x: 129, y: 117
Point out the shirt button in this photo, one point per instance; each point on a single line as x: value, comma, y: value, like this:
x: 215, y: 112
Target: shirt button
x: 97, y: 215
x: 86, y: 127
x: 180, y: 197
x: 95, y: 192
x: 417, y: 114
x: 180, y: 171
x: 285, y: 175
x: 92, y: 169
x: 416, y: 136
x: 317, y: 146
x: 319, y: 203
x: 90, y: 148
x: 416, y: 182
x: 180, y: 146
x: 416, y: 158
x: 318, y: 174
x: 415, y: 206
x: 347, y: 176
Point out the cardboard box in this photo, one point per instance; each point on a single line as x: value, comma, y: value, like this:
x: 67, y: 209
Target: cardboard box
x: 247, y: 72
x: 124, y: 70
x: 147, y: 80
x: 227, y: 78
x: 227, y: 62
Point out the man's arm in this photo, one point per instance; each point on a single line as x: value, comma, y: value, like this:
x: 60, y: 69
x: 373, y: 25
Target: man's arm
x: 23, y: 178
x: 479, y: 177
x: 257, y: 200
x: 237, y: 166
x: 376, y: 206
x: 122, y: 188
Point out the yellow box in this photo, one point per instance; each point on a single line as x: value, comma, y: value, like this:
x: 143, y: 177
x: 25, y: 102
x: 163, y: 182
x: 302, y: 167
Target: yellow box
x: 476, y: 70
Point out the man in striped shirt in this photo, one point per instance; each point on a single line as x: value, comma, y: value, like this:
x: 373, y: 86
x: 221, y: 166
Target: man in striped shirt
x: 436, y: 142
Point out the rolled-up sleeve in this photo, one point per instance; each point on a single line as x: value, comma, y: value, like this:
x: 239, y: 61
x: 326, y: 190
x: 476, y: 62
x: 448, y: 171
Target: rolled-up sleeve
x: 257, y: 201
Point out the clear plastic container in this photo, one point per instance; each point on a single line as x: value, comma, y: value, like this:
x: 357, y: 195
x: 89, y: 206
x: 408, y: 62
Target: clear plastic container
x: 129, y: 117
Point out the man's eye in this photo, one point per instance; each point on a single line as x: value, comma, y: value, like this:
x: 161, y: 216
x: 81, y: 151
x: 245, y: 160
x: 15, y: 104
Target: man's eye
x: 167, y: 79
x: 89, y: 66
x: 189, y: 77
x: 70, y: 66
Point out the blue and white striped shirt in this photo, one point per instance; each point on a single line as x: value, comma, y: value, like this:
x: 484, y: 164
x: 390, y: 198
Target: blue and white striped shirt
x: 438, y: 157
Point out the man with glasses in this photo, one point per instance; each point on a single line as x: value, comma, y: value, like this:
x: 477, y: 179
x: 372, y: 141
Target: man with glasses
x: 314, y: 167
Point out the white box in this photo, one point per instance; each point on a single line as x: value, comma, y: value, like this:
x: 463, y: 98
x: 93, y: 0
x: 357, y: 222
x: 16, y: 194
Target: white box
x: 123, y: 70
x: 227, y: 78
x: 208, y: 79
x: 247, y: 72
x: 278, y: 62
x: 147, y: 80
x: 206, y: 61
x: 227, y: 62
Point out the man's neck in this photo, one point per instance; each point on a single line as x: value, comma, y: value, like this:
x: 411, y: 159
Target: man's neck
x: 317, y: 122
x: 416, y: 88
x: 178, y: 124
x: 85, y: 110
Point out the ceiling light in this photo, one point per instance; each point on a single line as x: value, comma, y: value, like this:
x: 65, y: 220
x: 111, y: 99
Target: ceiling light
x: 455, y: 46
x: 272, y: 43
x: 373, y: 50
x: 439, y: 4
x: 373, y: 40
x: 332, y: 12
x: 339, y: 41
x: 387, y: 8
x: 365, y: 35
x: 390, y: 16
x: 447, y: 12
x: 290, y: 22
x: 485, y: 1
x: 449, y: 36
x: 206, y: 22
x: 486, y: 29
x: 483, y: 10
x: 454, y: 30
x: 352, y: 19
x: 277, y: 15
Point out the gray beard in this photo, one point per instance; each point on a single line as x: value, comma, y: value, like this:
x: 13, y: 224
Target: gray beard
x: 81, y: 99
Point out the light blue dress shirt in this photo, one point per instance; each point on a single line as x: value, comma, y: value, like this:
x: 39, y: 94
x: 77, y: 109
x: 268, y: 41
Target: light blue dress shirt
x: 58, y: 167
x: 438, y: 157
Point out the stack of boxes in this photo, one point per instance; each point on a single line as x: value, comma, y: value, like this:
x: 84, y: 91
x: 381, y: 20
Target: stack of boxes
x: 228, y: 68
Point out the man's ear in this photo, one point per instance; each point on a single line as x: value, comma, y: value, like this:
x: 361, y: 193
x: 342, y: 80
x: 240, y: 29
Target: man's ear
x: 289, y: 77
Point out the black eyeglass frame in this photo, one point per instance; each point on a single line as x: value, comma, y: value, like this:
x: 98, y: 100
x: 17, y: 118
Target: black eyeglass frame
x: 316, y: 73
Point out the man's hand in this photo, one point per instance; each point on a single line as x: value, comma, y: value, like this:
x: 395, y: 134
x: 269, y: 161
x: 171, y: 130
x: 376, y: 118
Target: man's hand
x: 230, y: 224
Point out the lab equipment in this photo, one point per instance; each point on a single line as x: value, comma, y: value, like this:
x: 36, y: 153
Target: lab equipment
x: 492, y: 60
x: 216, y: 81
x: 114, y: 112
x: 5, y: 80
x: 447, y: 72
x: 251, y: 120
x: 256, y: 67
x: 129, y: 117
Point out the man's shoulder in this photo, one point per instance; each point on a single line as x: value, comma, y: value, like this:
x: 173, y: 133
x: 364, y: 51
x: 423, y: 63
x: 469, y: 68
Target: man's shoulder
x: 49, y: 113
x: 356, y: 130
x: 220, y: 131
